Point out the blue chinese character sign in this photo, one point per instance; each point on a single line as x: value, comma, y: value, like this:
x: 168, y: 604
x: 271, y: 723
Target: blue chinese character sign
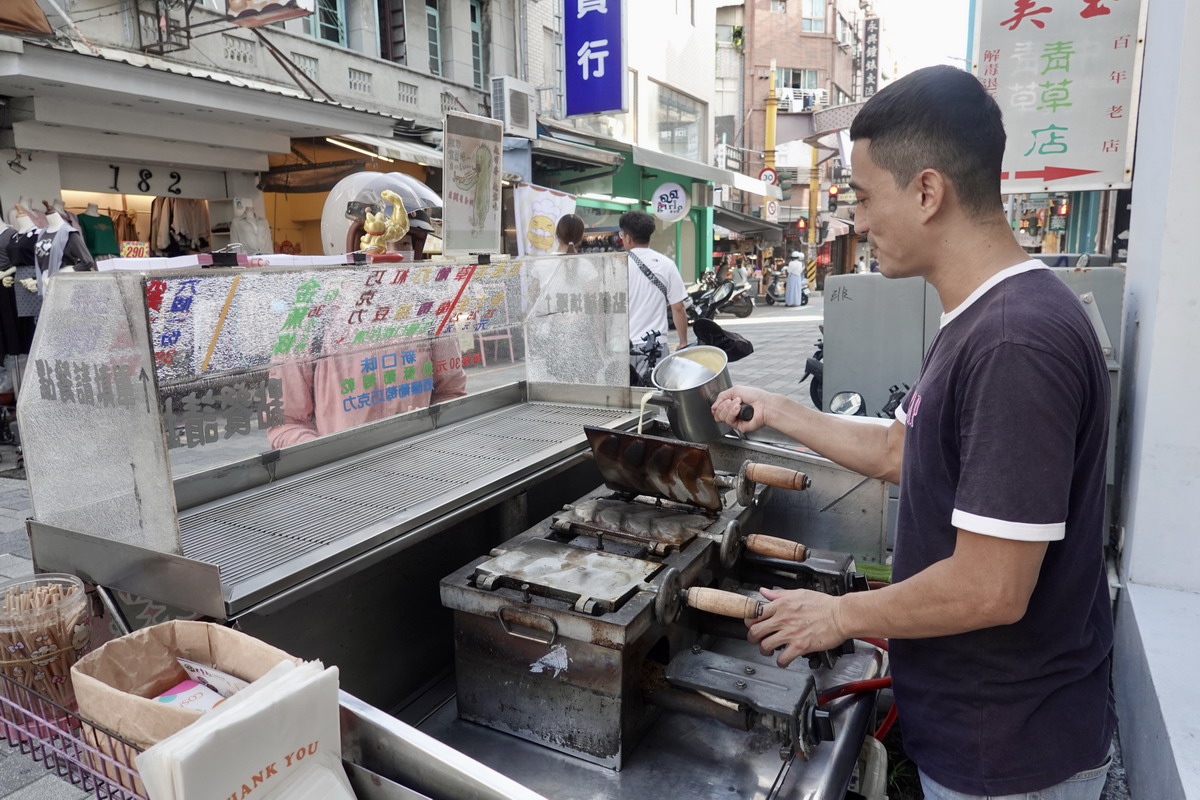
x: 1066, y: 75
x: 594, y: 48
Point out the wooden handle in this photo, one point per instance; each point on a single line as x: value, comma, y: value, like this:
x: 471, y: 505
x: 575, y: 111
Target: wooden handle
x: 775, y: 547
x: 779, y: 477
x: 727, y: 604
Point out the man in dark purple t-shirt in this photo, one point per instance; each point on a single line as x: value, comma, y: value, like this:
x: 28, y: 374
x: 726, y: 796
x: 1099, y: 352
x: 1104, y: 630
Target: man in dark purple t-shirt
x: 999, y: 617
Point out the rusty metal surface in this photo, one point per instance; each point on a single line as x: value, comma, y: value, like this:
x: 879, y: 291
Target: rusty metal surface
x: 592, y: 580
x: 649, y: 465
x: 663, y: 530
x: 577, y: 697
x: 684, y: 756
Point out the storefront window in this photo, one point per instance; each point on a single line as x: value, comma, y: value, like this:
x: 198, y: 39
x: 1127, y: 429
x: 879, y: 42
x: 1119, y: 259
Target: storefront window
x: 680, y: 122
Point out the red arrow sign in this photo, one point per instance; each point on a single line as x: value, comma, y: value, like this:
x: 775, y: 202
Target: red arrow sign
x: 1048, y: 174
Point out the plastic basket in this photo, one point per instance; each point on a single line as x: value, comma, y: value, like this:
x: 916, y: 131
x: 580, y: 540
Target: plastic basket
x: 91, y: 758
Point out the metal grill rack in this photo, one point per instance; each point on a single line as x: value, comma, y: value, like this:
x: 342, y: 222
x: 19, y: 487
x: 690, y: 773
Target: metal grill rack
x: 91, y: 758
x: 255, y: 532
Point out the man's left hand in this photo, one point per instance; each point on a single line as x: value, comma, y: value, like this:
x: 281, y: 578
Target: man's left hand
x: 797, y: 620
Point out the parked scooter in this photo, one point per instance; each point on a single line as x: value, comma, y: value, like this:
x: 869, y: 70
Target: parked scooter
x: 776, y: 281
x: 814, y: 368
x: 739, y: 302
x: 707, y: 296
x: 846, y: 403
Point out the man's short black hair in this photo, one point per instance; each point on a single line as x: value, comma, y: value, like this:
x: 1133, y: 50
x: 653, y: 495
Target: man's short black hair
x: 938, y: 118
x: 638, y: 224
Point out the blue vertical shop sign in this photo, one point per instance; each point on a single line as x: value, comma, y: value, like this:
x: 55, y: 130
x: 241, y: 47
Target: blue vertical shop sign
x: 594, y: 48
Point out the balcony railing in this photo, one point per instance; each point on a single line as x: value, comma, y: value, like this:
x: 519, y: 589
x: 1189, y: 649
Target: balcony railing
x: 797, y: 100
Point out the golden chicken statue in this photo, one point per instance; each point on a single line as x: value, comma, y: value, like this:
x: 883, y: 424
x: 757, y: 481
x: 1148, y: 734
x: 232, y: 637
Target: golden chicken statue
x: 379, y: 229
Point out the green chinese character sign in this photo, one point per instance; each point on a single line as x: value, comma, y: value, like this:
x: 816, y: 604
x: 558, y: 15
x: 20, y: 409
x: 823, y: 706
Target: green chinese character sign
x: 1065, y: 74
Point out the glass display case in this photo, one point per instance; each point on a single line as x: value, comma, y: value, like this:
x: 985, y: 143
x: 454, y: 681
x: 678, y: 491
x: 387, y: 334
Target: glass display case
x: 211, y: 437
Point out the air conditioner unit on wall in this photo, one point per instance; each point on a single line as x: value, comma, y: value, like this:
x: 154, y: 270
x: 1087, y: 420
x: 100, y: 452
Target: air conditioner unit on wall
x: 514, y: 102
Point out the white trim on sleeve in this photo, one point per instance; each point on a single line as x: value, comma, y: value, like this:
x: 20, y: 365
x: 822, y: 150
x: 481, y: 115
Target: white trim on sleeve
x: 900, y: 415
x: 1004, y: 529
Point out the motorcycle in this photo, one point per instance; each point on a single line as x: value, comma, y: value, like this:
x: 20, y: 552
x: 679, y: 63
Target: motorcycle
x: 774, y: 292
x: 814, y: 368
x: 847, y: 403
x: 707, y: 296
x: 739, y: 303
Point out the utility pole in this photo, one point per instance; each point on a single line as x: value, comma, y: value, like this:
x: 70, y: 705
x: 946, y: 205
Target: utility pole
x: 769, y: 132
x: 814, y: 204
x: 772, y: 111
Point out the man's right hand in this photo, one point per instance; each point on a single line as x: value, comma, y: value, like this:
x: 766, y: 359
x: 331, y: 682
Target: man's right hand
x: 729, y: 404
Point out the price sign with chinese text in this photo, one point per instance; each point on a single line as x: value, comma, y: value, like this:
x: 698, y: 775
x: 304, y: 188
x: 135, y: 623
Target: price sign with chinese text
x: 1066, y: 75
x: 595, y: 56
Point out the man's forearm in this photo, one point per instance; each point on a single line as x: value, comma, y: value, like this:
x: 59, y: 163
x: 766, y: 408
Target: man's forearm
x: 681, y: 326
x: 986, y: 582
x: 868, y: 449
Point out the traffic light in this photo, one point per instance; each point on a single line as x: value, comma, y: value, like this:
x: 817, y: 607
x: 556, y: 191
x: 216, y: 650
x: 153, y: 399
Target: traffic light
x: 785, y: 186
x: 802, y: 226
x: 1063, y: 207
x: 833, y: 198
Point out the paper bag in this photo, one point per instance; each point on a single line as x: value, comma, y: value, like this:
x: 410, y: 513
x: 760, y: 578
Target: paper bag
x: 280, y: 738
x: 116, y: 684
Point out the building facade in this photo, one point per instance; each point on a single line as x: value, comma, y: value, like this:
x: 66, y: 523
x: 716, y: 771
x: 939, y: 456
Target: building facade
x: 130, y: 101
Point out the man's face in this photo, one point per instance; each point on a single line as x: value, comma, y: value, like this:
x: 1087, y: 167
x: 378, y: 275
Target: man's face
x: 888, y: 214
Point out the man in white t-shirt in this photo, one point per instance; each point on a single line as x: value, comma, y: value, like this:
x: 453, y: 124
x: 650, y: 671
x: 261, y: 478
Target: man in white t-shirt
x: 654, y: 285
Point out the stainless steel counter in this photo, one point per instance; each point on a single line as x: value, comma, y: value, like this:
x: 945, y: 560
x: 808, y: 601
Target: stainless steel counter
x: 681, y: 756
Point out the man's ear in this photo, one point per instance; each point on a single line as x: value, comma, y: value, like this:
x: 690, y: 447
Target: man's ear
x: 933, y: 191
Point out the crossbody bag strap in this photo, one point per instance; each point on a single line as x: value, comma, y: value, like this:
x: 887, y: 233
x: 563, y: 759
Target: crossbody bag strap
x: 650, y: 276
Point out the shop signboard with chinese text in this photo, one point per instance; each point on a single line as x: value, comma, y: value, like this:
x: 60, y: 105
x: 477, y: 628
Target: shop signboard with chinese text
x: 1065, y: 74
x: 471, y: 188
x: 870, y: 59
x: 594, y: 50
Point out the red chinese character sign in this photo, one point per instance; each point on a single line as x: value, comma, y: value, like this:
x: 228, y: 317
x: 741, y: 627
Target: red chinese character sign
x: 1065, y: 73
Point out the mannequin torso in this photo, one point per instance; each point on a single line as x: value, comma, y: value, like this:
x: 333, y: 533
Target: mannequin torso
x: 24, y: 223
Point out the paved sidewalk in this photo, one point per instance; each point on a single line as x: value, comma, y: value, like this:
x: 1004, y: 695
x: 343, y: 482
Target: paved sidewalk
x: 783, y: 338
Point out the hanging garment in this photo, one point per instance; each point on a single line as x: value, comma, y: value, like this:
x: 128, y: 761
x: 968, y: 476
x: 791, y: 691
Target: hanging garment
x: 16, y: 332
x: 253, y: 233
x: 125, y: 224
x: 179, y: 225
x: 99, y: 234
x: 70, y: 218
x: 36, y: 217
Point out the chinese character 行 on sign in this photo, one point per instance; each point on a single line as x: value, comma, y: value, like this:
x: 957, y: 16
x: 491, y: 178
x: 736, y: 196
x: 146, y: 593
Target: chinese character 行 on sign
x: 594, y: 44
